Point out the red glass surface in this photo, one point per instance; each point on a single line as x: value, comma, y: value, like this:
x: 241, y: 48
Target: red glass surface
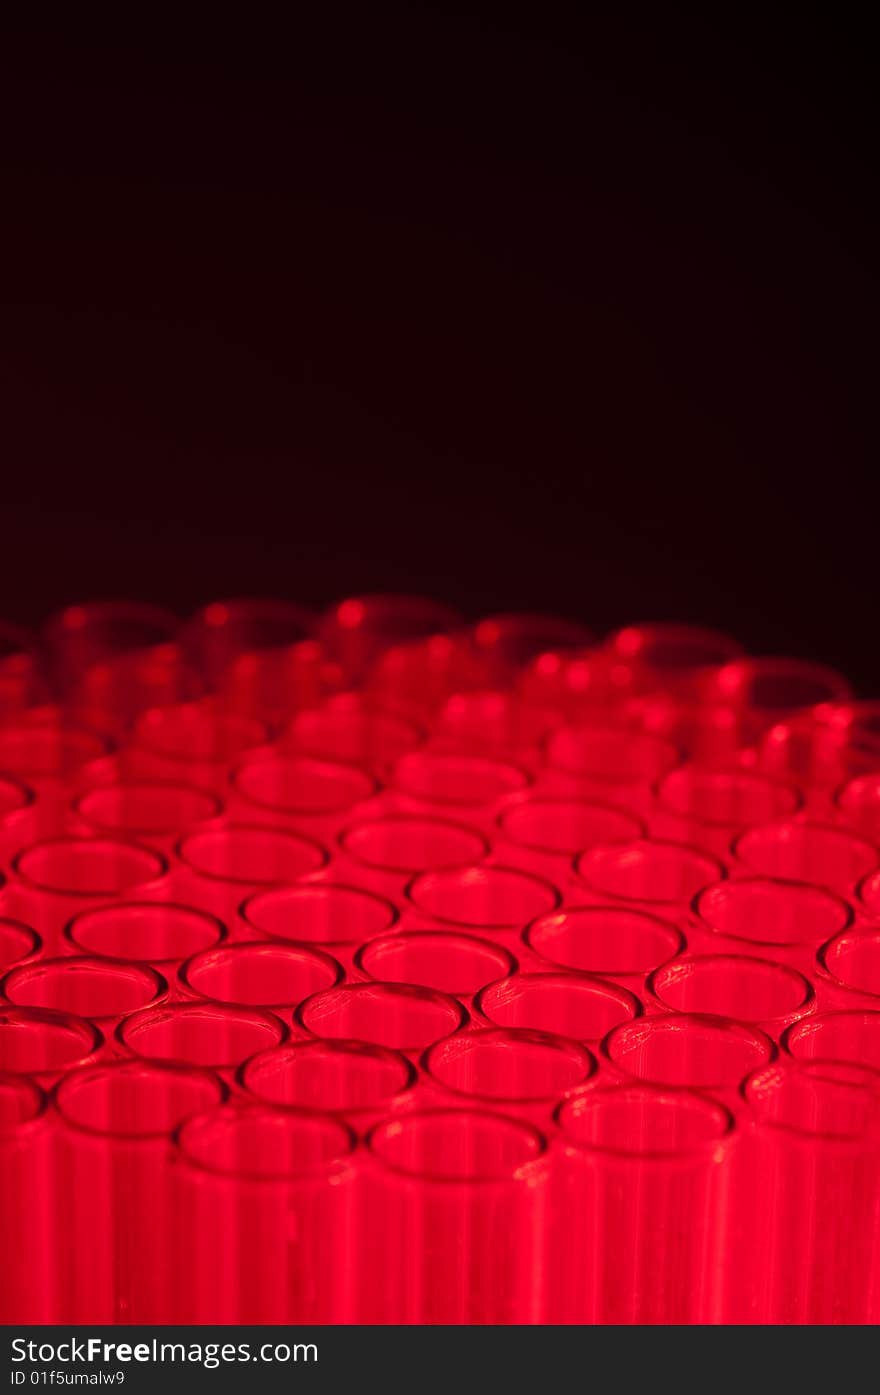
x: 392, y: 966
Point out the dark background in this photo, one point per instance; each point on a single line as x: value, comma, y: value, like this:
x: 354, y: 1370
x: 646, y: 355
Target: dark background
x: 545, y: 312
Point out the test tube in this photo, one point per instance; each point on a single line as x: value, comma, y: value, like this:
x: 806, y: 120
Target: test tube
x: 520, y: 1070
x: 357, y: 630
x: 791, y: 917
x: 498, y: 901
x: 103, y: 990
x: 217, y: 636
x: 711, y: 734
x: 53, y: 879
x: 695, y: 1051
x: 80, y: 636
x: 414, y: 680
x: 776, y: 687
x: 651, y: 871
x: 611, y: 764
x: 327, y: 914
x: 710, y: 807
x: 122, y: 1248
x: 817, y: 749
x: 807, y: 1197
x: 356, y: 1079
x: 157, y: 812
x: 260, y: 974
x: 43, y: 1044
x: 403, y: 1016
x: 850, y: 1036
x: 312, y: 795
x: 669, y: 657
x: 50, y: 755
x: 470, y: 789
x: 153, y: 932
x: 455, y: 1200
x: 573, y: 1005
x: 224, y: 865
x: 21, y: 681
x: 214, y: 1036
x: 542, y: 835
x: 441, y: 959
x: 27, y: 1236
x: 611, y: 941
x: 511, y: 640
x: 386, y: 853
x: 821, y: 854
x: 349, y: 728
x: 641, y: 1178
x: 761, y: 991
x: 266, y: 1213
x: 191, y: 742
x: 491, y: 722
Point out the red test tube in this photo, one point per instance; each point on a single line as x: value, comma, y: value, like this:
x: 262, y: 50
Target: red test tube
x: 266, y: 1217
x: 768, y: 994
x: 330, y: 915
x: 520, y: 1071
x: 305, y: 793
x: 358, y: 1080
x: 224, y: 865
x: 27, y: 1233
x: 215, y: 1036
x: 441, y: 959
x: 260, y: 974
x: 789, y: 919
x: 709, y: 808
x: 543, y: 835
x: 155, y: 812
x: 122, y: 1249
x: 402, y: 1016
x: 612, y: 941
x: 359, y: 629
x: 384, y: 854
x: 102, y: 990
x: 153, y: 932
x: 455, y: 1202
x: 652, y: 872
x: 572, y: 1005
x: 640, y: 1177
x: 468, y: 789
x: 821, y: 854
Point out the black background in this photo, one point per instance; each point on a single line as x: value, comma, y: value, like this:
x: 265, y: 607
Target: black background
x: 541, y: 311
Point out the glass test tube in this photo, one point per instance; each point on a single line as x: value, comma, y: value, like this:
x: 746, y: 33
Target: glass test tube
x: 455, y: 1201
x: 762, y: 991
x: 155, y: 812
x: 122, y: 1249
x: 612, y: 941
x: 385, y: 853
x: 258, y: 973
x: 305, y: 793
x: 520, y: 1071
x: 357, y: 630
x: 358, y: 1080
x: 579, y: 1006
x: 709, y: 808
x: 223, y: 866
x: 793, y: 850
x: 542, y: 835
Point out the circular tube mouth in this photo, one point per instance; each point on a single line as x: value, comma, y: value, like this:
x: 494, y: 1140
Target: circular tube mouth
x: 22, y: 1103
x: 135, y: 1100
x: 512, y: 1065
x: 767, y: 911
x: 566, y: 1004
x: 348, y: 729
x: 726, y: 799
x: 460, y: 781
x: 252, y: 855
x: 776, y: 687
x: 817, y: 1102
x: 81, y: 634
x: 153, y: 932
x: 819, y: 854
x: 260, y: 974
x: 852, y: 959
x: 197, y: 732
x: 330, y: 913
x: 456, y: 1147
x: 847, y: 1036
x: 440, y: 959
x: 38, y: 1041
x: 611, y: 755
x: 645, y: 1123
x: 653, y: 870
x: 564, y: 827
x: 255, y: 1143
x: 48, y: 750
x: 402, y: 1016
x: 85, y: 987
x: 200, y: 1034
x: 405, y: 844
x: 145, y: 808
x: 17, y: 943
x: 358, y: 629
x: 692, y: 1050
x: 302, y: 785
x: 343, y: 1077
x: 516, y: 638
x: 740, y: 986
x: 667, y: 652
x: 88, y: 867
x: 221, y: 632
x: 604, y: 940
x: 480, y: 897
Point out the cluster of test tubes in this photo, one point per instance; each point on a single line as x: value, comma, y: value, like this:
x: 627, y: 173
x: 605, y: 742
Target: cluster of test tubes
x: 378, y: 966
